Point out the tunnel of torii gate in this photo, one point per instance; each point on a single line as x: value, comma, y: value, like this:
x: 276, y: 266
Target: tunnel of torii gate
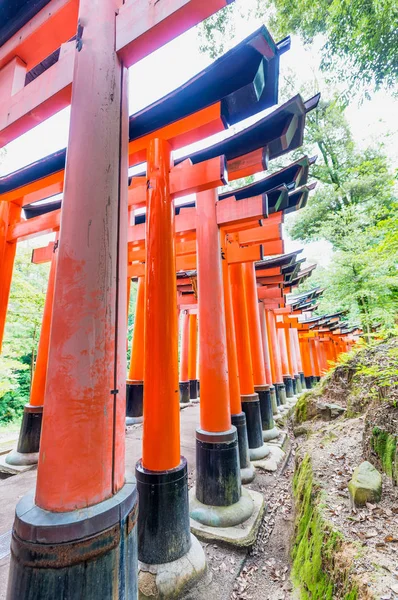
x: 80, y: 534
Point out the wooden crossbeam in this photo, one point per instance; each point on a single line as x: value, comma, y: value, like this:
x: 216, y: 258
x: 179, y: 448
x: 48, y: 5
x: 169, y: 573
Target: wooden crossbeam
x: 185, y: 179
x: 39, y: 100
x: 30, y: 228
x: 248, y: 209
x: 45, y: 32
x: 143, y: 26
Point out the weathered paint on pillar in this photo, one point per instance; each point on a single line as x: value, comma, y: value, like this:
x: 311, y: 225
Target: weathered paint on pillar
x: 215, y: 412
x: 241, y: 330
x: 37, y: 392
x: 292, y: 350
x: 136, y: 370
x: 81, y: 459
x: 295, y: 339
x: 283, y: 352
x: 233, y: 373
x: 264, y: 336
x: 253, y: 319
x: 193, y: 344
x: 184, y: 352
x: 161, y: 429
x: 305, y: 355
x: 274, y: 347
x: 10, y: 213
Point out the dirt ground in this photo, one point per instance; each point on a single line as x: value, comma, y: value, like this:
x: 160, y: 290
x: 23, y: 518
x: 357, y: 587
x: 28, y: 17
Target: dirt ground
x: 336, y: 449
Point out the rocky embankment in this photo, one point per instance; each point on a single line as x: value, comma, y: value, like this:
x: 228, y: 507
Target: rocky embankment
x: 345, y: 482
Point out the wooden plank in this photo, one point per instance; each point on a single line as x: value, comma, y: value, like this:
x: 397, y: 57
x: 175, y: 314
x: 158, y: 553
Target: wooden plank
x: 248, y: 164
x: 143, y: 26
x: 30, y: 228
x: 232, y: 210
x: 181, y: 133
x: 39, y: 100
x: 45, y: 32
x: 43, y: 255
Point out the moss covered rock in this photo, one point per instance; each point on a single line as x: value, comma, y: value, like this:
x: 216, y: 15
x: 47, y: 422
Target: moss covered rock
x: 365, y: 485
x: 317, y: 571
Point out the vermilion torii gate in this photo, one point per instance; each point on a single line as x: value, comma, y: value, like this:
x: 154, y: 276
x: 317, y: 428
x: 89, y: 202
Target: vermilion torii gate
x: 92, y: 506
x: 87, y: 357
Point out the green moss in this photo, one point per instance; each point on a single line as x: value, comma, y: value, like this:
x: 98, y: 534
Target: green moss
x: 385, y: 446
x: 300, y: 410
x: 316, y: 543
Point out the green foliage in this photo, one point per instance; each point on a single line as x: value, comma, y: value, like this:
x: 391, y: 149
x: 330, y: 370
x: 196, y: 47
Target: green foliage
x: 361, y: 36
x: 385, y: 446
x: 22, y: 333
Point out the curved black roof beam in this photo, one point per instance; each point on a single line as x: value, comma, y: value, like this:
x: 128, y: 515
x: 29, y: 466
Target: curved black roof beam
x: 294, y: 175
x: 244, y: 80
x: 278, y: 261
x: 280, y: 132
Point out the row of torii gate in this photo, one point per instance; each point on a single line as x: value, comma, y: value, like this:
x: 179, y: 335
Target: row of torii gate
x: 76, y: 535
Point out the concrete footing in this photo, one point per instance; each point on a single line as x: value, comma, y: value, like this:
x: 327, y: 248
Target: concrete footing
x: 221, y: 516
x: 258, y: 453
x: 270, y: 434
x: 241, y: 535
x: 170, y: 580
x: 273, y: 460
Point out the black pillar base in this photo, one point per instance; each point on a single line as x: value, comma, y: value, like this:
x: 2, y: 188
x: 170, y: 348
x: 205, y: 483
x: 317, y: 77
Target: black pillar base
x: 27, y: 452
x: 309, y: 382
x: 294, y: 383
x: 193, y: 389
x: 280, y: 393
x: 184, y: 392
x: 297, y: 383
x: 274, y: 402
x: 85, y: 554
x: 239, y: 421
x: 134, y: 398
x: 251, y: 408
x: 218, y: 481
x: 287, y: 380
x: 163, y: 520
x: 302, y: 379
x: 267, y: 418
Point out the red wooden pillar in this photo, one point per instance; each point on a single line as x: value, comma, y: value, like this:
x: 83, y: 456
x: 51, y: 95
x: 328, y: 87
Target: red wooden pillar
x: 81, y: 461
x: 27, y: 452
x: 267, y: 358
x: 193, y: 356
x: 290, y: 341
x: 10, y: 213
x: 184, y: 357
x: 286, y: 363
x: 217, y: 460
x: 275, y: 358
x: 135, y: 381
x: 297, y: 347
x: 162, y: 475
x: 249, y: 398
x: 306, y: 359
x: 238, y: 417
x: 257, y: 353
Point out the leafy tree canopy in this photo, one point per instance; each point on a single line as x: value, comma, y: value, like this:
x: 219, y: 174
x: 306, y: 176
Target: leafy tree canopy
x: 360, y: 36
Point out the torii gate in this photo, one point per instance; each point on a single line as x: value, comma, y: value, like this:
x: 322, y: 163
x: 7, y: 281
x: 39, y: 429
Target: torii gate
x: 91, y: 276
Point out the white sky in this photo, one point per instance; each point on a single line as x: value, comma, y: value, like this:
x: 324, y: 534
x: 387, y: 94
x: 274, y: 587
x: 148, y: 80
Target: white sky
x: 179, y: 60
